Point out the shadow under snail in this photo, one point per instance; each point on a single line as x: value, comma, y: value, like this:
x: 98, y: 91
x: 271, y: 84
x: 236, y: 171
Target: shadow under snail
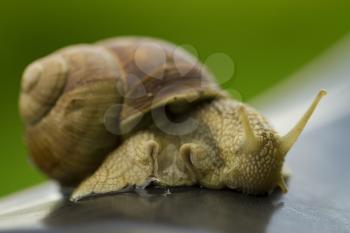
x: 169, y: 123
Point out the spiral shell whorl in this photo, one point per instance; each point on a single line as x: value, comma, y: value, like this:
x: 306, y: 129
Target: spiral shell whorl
x: 63, y: 101
x: 42, y: 84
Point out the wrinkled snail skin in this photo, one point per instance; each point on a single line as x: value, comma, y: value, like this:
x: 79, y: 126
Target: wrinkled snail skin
x: 232, y: 146
x: 210, y: 140
x: 216, y: 154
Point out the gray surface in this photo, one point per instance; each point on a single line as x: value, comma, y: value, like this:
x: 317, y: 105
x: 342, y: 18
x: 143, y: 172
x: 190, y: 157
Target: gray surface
x: 317, y: 201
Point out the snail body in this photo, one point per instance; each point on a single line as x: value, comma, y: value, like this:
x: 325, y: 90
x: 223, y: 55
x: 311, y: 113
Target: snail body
x: 172, y: 124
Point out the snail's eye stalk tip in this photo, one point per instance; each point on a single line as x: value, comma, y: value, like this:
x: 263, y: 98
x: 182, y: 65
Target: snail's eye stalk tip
x: 322, y: 93
x: 291, y: 137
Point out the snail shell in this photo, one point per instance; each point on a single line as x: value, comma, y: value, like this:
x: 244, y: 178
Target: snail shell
x: 65, y: 96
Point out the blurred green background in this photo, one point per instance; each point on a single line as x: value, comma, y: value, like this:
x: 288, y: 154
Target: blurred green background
x: 267, y: 40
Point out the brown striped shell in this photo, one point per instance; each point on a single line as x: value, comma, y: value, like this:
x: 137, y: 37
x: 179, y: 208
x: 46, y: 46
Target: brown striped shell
x: 65, y: 97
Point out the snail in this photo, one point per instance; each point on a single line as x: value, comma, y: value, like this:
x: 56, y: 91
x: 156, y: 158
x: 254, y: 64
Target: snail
x: 130, y: 111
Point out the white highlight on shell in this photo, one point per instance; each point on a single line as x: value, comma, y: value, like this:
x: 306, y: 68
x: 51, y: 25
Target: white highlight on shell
x: 140, y: 91
x: 149, y: 57
x: 181, y: 56
x: 222, y: 66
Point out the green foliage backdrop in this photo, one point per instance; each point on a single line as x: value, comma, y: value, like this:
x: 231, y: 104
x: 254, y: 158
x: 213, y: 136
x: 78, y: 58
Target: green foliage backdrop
x: 267, y: 40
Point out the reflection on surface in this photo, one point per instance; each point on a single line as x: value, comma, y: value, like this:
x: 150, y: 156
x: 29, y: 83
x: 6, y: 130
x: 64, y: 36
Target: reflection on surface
x: 189, y: 207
